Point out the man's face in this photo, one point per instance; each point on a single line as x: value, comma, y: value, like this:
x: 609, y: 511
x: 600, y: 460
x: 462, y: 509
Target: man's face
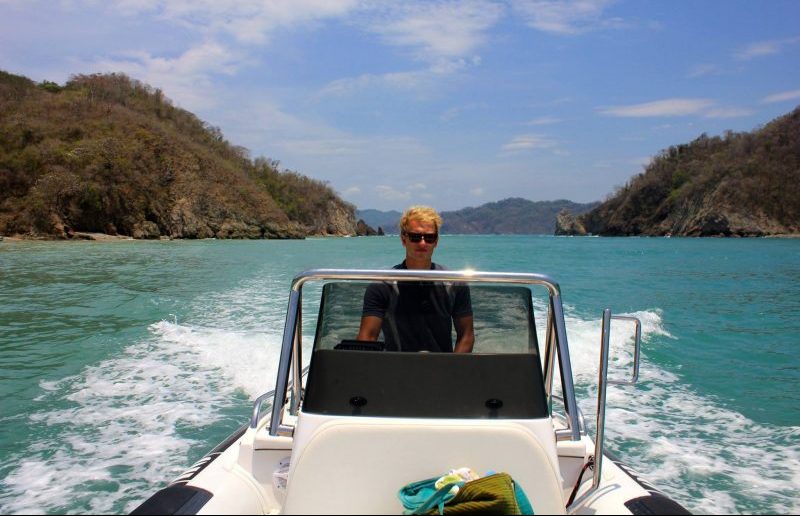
x: 422, y: 250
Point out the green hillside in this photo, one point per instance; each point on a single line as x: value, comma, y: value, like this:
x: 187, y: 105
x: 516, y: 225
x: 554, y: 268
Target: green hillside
x: 108, y: 154
x: 738, y: 184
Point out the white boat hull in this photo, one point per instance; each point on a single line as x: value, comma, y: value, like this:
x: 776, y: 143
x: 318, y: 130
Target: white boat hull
x: 242, y: 479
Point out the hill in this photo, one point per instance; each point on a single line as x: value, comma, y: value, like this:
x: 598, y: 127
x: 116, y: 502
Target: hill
x: 509, y: 216
x: 108, y: 154
x: 739, y: 184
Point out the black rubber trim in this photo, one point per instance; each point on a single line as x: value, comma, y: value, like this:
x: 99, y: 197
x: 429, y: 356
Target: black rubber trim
x: 178, y: 498
x: 655, y: 503
x: 175, y: 499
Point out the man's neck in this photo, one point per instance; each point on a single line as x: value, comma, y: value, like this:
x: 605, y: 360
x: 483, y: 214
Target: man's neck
x: 418, y: 264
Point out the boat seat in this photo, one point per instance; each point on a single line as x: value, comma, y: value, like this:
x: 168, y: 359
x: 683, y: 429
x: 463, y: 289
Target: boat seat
x: 357, y: 465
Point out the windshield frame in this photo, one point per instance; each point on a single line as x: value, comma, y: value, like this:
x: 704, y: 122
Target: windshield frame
x: 290, y: 363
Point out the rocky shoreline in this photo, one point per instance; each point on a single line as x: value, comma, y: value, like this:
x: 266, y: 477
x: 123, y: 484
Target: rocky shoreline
x: 103, y: 237
x: 361, y: 229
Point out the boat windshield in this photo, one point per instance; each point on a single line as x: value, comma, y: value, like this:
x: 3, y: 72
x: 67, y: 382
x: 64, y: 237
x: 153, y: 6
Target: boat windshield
x: 501, y: 378
x: 503, y: 315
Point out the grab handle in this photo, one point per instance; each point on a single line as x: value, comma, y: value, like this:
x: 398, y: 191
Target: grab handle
x: 637, y: 345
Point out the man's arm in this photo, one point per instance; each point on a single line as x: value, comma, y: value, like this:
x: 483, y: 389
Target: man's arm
x: 465, y: 334
x: 370, y: 328
x: 376, y: 302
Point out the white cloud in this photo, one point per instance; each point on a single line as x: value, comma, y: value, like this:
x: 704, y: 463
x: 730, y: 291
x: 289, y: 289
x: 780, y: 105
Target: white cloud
x: 477, y: 191
x: 781, y: 97
x: 528, y: 142
x: 565, y: 16
x: 186, y: 79
x: 451, y: 114
x: 666, y: 107
x: 416, y: 80
x: 392, y: 194
x: 765, y: 48
x: 405, y: 193
x: 250, y: 21
x: 451, y: 66
x: 457, y: 111
x: 677, y: 107
x: 434, y: 29
x: 551, y: 103
x: 395, y: 80
x: 443, y: 34
x: 705, y: 69
x: 437, y: 29
x: 545, y: 120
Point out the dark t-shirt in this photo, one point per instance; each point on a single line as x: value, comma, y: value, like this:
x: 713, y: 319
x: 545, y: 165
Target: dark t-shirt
x: 417, y: 316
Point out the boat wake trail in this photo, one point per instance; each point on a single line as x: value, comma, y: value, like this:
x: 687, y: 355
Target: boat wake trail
x: 127, y: 425
x: 133, y: 422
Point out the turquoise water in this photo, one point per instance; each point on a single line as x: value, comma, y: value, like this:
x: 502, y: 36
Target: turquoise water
x: 124, y: 362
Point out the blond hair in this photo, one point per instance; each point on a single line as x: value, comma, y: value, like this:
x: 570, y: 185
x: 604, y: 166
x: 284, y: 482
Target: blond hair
x: 424, y: 214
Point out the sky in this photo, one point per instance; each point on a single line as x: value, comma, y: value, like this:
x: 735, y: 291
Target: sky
x: 450, y: 104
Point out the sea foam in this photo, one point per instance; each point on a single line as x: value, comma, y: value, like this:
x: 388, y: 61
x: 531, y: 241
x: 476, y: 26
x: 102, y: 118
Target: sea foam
x: 123, y: 432
x: 688, y: 445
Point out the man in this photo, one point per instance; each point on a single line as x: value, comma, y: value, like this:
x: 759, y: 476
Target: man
x: 417, y: 316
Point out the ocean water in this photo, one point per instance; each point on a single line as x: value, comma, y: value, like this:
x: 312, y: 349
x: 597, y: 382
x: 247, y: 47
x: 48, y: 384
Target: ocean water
x: 121, y: 363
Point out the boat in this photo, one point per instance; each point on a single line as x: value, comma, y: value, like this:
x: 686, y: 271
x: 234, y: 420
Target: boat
x: 347, y: 432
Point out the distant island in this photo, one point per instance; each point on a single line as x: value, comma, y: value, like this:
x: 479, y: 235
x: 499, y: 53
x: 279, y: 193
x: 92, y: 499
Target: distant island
x: 512, y: 216
x: 110, y: 155
x: 736, y: 185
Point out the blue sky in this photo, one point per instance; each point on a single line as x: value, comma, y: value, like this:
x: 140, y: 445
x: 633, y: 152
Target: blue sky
x: 451, y: 104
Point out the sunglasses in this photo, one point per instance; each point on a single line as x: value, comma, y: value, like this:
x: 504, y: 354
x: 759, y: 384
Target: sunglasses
x: 430, y: 238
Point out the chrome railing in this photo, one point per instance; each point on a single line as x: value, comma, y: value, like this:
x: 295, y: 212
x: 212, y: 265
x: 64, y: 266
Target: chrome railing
x: 254, y: 417
x: 603, y: 381
x: 581, y: 417
x: 599, y: 439
x: 637, y: 348
x: 257, y: 407
x: 291, y: 345
x: 602, y: 385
